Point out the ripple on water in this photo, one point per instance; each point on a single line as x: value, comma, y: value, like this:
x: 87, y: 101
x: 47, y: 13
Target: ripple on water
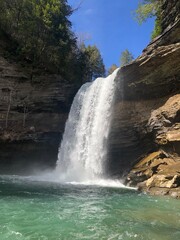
x: 39, y: 211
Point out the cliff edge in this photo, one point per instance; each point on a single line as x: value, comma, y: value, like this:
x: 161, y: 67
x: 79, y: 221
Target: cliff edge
x: 144, y: 144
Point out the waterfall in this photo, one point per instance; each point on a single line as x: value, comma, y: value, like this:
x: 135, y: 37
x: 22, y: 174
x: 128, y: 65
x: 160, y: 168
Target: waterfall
x: 83, y: 150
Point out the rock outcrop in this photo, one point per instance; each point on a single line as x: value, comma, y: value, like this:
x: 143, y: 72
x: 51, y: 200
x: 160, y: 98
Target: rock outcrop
x: 159, y: 172
x: 170, y: 13
x: 144, y: 142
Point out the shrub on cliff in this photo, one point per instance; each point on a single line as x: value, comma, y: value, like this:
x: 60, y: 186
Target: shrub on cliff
x: 147, y: 9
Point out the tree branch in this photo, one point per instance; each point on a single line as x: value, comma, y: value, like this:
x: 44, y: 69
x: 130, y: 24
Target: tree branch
x: 78, y: 6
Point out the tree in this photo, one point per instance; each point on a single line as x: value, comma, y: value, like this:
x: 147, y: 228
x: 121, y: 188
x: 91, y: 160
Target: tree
x: 112, y: 69
x: 43, y: 36
x: 126, y: 58
x: 93, y: 62
x: 147, y: 9
x: 42, y: 30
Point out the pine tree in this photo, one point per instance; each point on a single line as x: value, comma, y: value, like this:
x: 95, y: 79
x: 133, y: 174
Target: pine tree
x: 41, y: 29
x: 126, y: 58
x: 94, y: 66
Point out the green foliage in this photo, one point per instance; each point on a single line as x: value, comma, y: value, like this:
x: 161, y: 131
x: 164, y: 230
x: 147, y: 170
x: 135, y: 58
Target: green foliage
x: 112, y: 69
x: 40, y: 27
x: 93, y: 62
x: 157, y: 29
x: 126, y: 58
x: 147, y: 9
x: 42, y: 31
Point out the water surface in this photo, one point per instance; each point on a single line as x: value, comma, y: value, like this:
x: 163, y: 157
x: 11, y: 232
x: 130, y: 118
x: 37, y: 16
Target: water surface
x: 31, y: 210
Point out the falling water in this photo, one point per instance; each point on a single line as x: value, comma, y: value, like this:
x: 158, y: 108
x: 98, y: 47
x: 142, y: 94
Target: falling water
x: 82, y: 154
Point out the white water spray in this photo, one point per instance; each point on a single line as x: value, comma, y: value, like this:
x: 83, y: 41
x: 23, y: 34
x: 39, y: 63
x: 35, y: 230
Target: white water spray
x: 83, y: 151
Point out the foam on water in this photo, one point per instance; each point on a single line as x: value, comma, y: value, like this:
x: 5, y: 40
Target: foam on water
x: 51, y: 178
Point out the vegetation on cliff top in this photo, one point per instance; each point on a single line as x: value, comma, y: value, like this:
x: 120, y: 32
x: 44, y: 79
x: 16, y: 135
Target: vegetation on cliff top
x: 42, y: 31
x: 112, y: 69
x: 43, y: 36
x: 92, y: 61
x: 147, y: 9
x: 126, y: 57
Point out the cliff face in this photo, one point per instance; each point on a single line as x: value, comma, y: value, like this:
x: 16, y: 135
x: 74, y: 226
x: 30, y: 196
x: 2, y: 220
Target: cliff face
x: 144, y: 140
x: 33, y: 109
x: 170, y: 13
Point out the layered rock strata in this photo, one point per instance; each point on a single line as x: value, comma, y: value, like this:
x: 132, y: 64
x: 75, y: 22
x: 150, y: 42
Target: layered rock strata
x: 159, y: 172
x: 144, y: 142
x: 33, y: 111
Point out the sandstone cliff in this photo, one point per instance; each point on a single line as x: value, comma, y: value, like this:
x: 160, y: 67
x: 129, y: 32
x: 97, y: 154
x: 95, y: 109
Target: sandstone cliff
x: 144, y: 140
x: 34, y: 106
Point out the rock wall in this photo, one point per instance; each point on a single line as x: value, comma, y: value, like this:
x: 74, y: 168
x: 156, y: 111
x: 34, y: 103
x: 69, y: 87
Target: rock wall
x: 33, y: 109
x: 144, y: 142
x: 159, y: 171
x: 170, y: 13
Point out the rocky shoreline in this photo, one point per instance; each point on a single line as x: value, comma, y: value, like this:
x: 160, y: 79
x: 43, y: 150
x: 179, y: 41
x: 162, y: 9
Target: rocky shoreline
x: 159, y: 172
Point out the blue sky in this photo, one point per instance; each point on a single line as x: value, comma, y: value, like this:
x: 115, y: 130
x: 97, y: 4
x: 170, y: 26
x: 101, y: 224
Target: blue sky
x: 109, y: 24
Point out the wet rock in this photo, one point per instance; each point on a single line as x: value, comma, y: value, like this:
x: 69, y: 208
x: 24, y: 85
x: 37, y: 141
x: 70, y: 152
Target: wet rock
x: 175, y: 193
x: 162, y: 181
x: 158, y: 173
x: 161, y: 169
x: 157, y: 191
x: 38, y: 106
